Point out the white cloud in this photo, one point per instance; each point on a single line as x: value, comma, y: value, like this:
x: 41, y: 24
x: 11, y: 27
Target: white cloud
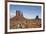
x: 12, y: 14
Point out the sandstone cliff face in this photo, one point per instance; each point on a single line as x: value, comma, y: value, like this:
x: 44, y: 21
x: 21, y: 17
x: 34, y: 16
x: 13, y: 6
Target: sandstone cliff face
x: 19, y: 21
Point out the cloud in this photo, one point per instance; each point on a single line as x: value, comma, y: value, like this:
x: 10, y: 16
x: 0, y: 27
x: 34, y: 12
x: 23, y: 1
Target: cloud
x: 12, y: 14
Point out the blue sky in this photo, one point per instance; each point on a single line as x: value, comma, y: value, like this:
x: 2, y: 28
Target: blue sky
x: 29, y: 11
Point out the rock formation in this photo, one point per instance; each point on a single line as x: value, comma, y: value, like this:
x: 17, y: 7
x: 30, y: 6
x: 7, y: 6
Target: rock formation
x: 19, y: 21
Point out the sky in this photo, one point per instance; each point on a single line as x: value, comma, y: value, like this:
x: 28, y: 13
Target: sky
x: 29, y: 11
